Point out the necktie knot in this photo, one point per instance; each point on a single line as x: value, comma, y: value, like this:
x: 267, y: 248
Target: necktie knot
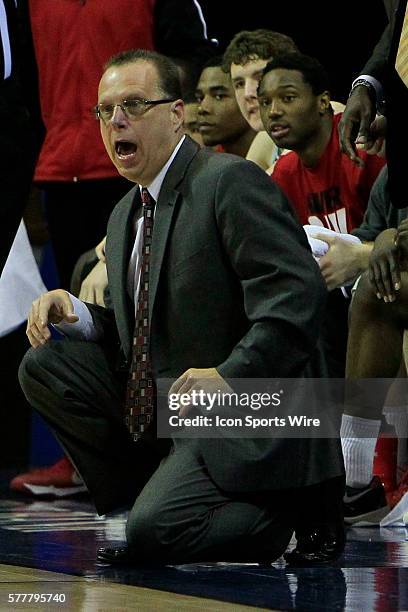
x: 146, y: 197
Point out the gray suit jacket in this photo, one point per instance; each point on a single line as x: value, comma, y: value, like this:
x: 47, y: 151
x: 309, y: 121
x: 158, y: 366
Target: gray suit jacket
x: 234, y: 286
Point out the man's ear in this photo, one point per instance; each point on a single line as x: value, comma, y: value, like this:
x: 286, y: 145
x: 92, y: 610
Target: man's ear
x: 324, y: 102
x: 177, y: 110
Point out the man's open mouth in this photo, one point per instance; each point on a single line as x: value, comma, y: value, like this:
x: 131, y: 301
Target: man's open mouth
x: 125, y: 148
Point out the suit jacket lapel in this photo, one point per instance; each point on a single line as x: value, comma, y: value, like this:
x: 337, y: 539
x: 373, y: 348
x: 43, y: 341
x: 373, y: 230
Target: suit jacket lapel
x: 118, y: 251
x: 165, y: 209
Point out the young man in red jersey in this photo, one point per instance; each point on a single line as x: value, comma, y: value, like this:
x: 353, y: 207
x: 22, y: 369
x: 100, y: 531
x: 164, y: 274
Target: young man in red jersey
x: 324, y: 187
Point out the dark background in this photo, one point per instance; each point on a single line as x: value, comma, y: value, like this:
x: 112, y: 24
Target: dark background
x: 341, y: 35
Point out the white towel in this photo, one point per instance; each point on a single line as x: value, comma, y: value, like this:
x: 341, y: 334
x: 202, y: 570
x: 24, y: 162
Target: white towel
x: 20, y: 283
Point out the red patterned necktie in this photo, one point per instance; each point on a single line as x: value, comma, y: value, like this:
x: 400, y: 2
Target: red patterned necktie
x: 139, y: 406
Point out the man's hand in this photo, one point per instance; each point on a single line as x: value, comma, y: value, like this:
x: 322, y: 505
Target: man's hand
x: 51, y: 307
x: 100, y: 250
x: 384, y: 266
x: 343, y: 262
x: 401, y: 241
x: 197, y: 379
x: 375, y: 144
x: 356, y: 124
x: 94, y: 284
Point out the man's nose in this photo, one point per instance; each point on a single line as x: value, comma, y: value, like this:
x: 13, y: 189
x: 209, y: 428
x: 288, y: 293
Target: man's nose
x: 119, y: 117
x: 250, y: 89
x: 274, y: 109
x: 203, y: 106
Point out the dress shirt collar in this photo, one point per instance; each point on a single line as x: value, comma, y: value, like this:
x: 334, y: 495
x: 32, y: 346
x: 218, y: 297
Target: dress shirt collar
x: 155, y: 185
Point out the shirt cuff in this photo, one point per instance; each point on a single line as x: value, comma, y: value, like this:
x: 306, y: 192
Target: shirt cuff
x: 379, y: 92
x: 84, y: 328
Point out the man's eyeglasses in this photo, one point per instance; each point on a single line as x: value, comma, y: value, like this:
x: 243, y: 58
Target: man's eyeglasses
x: 136, y: 107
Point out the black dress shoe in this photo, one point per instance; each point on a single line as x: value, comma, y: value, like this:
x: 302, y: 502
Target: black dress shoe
x: 317, y: 545
x: 116, y: 556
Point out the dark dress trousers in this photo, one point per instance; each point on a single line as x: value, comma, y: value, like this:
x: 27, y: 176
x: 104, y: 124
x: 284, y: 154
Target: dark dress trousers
x: 233, y: 285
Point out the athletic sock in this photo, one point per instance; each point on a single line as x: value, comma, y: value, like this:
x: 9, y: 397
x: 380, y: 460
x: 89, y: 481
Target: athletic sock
x: 358, y: 440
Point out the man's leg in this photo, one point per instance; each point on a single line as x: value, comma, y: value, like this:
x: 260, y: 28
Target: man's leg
x: 374, y: 351
x: 182, y: 516
x: 73, y: 387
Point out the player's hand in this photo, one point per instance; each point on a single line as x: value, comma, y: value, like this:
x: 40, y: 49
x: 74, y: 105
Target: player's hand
x: 356, y: 124
x: 94, y: 284
x: 384, y: 266
x: 342, y: 263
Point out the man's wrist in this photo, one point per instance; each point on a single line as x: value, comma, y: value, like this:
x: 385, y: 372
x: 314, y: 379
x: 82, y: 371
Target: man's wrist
x: 368, y: 86
x: 374, y: 88
x: 385, y: 238
x: 363, y: 257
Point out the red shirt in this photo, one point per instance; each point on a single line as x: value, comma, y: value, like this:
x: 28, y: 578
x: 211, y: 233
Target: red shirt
x: 72, y: 41
x: 335, y: 192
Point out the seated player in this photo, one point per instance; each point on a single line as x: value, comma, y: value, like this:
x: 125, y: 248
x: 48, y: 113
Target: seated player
x: 324, y: 187
x: 220, y: 121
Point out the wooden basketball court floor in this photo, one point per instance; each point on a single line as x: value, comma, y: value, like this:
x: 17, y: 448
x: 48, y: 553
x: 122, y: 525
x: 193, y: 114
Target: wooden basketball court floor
x: 47, y: 562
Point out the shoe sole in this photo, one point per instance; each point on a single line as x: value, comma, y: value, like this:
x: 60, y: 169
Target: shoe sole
x: 296, y: 562
x: 368, y: 519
